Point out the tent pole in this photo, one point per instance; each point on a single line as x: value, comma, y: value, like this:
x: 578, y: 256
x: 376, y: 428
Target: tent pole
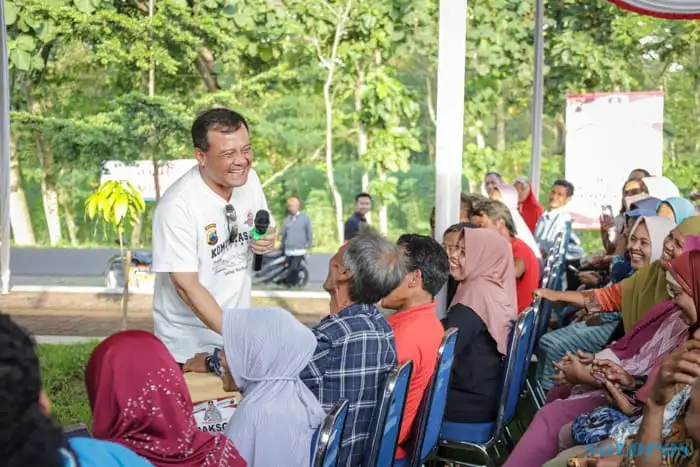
x: 537, y: 101
x: 4, y: 158
x: 450, y: 119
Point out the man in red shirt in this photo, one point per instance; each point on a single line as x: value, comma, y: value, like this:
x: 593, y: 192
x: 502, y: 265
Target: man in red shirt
x: 496, y: 216
x: 417, y: 329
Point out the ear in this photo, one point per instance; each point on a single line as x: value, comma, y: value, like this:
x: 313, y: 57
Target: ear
x: 416, y: 278
x: 344, y: 274
x: 199, y: 155
x: 44, y: 403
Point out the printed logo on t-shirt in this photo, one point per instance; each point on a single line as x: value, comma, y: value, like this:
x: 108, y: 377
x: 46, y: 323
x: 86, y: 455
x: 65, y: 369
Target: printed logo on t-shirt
x: 212, y: 237
x: 249, y: 219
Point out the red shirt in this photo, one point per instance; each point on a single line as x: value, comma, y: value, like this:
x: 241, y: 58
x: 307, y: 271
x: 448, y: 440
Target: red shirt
x: 531, y: 210
x: 418, y: 333
x: 529, y: 281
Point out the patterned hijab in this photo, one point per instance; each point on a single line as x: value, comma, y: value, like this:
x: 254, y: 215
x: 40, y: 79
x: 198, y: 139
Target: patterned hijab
x: 489, y: 286
x: 139, y: 399
x: 266, y: 350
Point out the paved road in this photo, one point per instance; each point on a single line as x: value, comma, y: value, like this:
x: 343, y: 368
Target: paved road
x: 72, y: 266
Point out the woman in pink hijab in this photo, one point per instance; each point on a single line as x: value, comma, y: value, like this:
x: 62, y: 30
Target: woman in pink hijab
x: 483, y: 309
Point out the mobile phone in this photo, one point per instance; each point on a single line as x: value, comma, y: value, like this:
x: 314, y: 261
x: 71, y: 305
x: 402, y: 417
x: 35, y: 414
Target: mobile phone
x: 78, y: 430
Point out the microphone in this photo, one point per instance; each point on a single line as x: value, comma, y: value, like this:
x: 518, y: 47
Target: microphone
x: 262, y: 222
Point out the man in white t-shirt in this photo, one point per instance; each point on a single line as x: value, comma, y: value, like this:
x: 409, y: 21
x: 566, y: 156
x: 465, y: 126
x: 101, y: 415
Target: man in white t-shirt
x: 202, y: 242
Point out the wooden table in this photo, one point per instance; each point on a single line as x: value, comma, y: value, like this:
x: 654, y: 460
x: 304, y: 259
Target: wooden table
x: 213, y: 407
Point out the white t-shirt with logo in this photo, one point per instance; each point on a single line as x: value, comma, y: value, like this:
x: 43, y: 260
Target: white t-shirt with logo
x: 191, y: 234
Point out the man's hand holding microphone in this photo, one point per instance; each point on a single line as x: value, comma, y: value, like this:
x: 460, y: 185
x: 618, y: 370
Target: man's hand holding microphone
x: 264, y: 237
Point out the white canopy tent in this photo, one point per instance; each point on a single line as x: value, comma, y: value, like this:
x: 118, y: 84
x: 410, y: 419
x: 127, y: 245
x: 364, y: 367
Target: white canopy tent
x: 4, y: 158
x: 450, y: 108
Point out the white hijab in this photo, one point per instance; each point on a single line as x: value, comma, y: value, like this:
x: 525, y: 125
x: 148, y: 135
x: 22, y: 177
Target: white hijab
x: 509, y: 197
x: 658, y: 227
x: 661, y: 187
x: 266, y: 350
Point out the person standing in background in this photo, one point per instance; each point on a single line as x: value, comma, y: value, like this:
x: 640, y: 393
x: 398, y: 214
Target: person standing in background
x: 491, y: 181
x: 202, y: 242
x: 296, y: 238
x: 363, y: 205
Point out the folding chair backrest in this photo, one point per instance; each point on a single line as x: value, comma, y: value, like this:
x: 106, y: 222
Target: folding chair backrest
x: 383, y: 447
x: 429, y: 420
x: 328, y: 437
x: 515, y: 367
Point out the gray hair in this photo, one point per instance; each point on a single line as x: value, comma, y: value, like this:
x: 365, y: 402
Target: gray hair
x: 377, y: 267
x: 496, y: 210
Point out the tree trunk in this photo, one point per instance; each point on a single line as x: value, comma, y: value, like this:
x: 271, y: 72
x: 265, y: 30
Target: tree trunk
x: 20, y: 220
x: 501, y: 125
x: 337, y: 198
x: 205, y: 65
x: 383, y: 212
x: 561, y: 134
x: 68, y: 214
x: 362, y: 141
x: 48, y: 192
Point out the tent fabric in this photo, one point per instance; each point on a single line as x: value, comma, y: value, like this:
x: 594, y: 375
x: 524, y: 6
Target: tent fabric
x: 667, y: 9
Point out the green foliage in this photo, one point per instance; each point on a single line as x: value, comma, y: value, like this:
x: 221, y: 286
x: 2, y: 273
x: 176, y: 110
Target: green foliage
x: 116, y: 204
x: 80, y: 73
x: 63, y: 377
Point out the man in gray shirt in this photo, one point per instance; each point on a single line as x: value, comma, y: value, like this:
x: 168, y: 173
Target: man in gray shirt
x: 297, y: 237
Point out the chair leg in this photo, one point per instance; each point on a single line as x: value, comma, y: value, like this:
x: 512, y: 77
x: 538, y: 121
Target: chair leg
x: 532, y: 392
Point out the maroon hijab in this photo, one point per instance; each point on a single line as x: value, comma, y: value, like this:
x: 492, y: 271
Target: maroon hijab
x: 139, y: 399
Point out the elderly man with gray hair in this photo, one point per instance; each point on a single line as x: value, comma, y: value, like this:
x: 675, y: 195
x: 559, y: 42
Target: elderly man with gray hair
x: 356, y: 348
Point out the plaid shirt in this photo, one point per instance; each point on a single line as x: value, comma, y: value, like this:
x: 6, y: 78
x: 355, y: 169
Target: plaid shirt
x: 354, y: 355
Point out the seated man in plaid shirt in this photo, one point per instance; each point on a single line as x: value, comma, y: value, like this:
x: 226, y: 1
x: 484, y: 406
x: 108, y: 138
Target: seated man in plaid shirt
x: 356, y: 349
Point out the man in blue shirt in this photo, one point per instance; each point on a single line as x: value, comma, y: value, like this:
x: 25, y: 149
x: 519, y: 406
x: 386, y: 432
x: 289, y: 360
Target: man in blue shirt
x: 356, y: 348
x: 363, y: 205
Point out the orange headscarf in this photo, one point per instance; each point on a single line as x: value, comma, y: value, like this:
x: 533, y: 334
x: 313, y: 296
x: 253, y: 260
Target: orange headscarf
x: 489, y: 286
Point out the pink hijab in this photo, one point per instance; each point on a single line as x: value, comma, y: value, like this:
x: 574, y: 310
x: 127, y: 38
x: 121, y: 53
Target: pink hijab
x: 489, y: 286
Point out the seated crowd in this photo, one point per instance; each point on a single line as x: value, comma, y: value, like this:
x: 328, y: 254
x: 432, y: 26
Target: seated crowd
x: 619, y: 362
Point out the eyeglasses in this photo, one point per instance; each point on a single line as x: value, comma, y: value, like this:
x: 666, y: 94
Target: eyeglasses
x: 231, y: 222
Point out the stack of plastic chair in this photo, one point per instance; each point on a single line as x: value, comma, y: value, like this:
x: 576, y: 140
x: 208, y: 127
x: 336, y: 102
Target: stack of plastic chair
x: 388, y: 417
x: 480, y: 437
x: 426, y: 429
x: 326, y: 444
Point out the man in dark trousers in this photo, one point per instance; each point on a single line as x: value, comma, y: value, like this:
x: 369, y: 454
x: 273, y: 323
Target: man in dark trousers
x: 363, y: 205
x: 297, y: 238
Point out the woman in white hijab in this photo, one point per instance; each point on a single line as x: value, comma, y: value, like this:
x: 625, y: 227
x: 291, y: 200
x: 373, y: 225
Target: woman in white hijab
x: 266, y: 350
x: 661, y: 187
x: 508, y: 195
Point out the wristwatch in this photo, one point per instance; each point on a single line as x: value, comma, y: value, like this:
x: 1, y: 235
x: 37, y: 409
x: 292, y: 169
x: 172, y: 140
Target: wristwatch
x: 213, y: 363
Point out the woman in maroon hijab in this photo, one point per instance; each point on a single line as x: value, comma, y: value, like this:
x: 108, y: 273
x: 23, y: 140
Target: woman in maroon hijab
x: 139, y: 399
x: 530, y: 209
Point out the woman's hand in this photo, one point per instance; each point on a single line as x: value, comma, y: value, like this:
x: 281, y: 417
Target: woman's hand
x: 589, y: 278
x: 585, y: 357
x: 574, y: 371
x: 618, y: 399
x: 614, y: 373
x: 547, y: 294
x: 678, y: 369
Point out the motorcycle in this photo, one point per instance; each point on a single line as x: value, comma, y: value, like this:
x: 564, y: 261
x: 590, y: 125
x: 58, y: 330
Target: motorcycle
x: 275, y: 269
x: 140, y: 271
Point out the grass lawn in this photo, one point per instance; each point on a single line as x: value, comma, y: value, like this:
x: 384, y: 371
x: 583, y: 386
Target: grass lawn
x: 63, y: 375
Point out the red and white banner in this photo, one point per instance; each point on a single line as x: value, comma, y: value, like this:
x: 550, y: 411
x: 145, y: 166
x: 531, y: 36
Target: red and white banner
x: 140, y: 174
x: 607, y: 136
x: 668, y: 9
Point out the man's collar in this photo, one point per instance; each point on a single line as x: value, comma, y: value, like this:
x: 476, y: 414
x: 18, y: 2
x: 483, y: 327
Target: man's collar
x: 357, y: 309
